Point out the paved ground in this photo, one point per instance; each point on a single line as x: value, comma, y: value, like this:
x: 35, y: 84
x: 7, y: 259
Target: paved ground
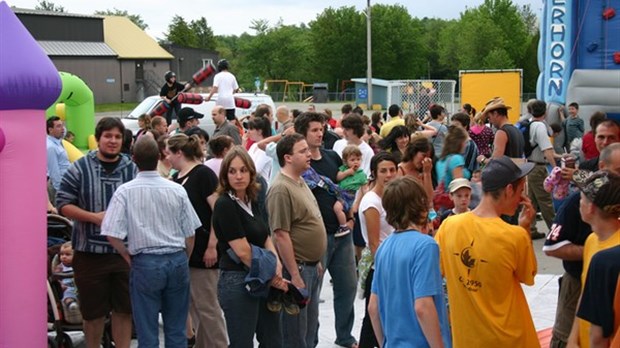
x: 541, y: 297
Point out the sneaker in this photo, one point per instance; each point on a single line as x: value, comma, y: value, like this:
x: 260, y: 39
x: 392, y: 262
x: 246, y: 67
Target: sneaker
x: 538, y: 235
x: 342, y: 231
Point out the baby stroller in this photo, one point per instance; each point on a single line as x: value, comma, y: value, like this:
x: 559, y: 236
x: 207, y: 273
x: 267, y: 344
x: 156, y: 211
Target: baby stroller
x: 60, y: 321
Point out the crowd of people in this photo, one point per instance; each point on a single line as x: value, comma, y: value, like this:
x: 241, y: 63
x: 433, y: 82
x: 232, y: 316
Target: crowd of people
x: 228, y: 235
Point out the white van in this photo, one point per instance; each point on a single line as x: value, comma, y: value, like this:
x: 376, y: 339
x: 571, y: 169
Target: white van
x: 131, y: 121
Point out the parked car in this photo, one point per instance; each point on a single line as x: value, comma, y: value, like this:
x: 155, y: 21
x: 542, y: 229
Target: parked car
x: 147, y: 105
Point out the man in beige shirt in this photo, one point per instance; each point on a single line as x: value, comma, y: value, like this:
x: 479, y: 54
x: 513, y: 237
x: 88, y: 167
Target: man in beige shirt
x: 299, y: 235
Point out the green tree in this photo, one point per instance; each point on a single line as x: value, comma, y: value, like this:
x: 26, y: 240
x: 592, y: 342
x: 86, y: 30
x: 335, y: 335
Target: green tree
x: 180, y: 33
x: 495, y: 26
x: 259, y: 25
x: 397, y: 48
x: 204, y: 34
x: 44, y: 5
x: 338, y: 38
x: 136, y: 19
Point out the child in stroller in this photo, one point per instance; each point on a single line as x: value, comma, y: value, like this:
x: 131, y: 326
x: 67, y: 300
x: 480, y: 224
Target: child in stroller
x: 64, y: 270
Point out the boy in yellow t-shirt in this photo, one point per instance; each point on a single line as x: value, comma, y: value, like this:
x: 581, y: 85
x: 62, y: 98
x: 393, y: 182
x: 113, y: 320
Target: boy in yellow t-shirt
x: 600, y: 207
x: 485, y: 260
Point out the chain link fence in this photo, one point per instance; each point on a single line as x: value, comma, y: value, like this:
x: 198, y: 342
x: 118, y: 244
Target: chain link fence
x: 416, y: 96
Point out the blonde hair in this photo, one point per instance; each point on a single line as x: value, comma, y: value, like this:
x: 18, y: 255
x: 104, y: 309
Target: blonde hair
x: 351, y: 150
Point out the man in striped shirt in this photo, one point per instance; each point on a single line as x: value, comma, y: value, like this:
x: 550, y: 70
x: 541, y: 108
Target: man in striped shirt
x: 101, y: 275
x: 159, y: 222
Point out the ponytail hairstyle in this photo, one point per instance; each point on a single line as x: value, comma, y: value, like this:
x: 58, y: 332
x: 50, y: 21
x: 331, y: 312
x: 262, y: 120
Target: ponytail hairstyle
x: 471, y: 111
x: 188, y: 145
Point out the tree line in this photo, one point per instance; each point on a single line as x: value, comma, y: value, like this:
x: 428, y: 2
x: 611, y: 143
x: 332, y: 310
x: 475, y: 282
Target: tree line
x: 497, y: 34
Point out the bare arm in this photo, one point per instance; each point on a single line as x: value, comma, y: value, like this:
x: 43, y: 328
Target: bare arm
x: 499, y: 144
x: 427, y: 181
x: 74, y: 212
x: 457, y: 173
x: 550, y: 156
x: 242, y: 249
x: 120, y: 247
x: 287, y: 254
x: 596, y: 337
x: 426, y: 313
x: 213, y: 91
x: 210, y: 255
x: 342, y: 175
x: 568, y: 252
x: 189, y: 245
x: 373, y: 227
x: 263, y: 143
x: 375, y: 318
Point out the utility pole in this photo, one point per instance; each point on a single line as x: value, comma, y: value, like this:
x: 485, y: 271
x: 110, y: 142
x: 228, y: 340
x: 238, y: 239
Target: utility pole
x: 368, y: 56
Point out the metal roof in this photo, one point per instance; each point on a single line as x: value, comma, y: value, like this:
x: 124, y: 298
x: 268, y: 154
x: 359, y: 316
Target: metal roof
x: 77, y: 48
x: 129, y: 41
x: 374, y: 81
x: 18, y: 10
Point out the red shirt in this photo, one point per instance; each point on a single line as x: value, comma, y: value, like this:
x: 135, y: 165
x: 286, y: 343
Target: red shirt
x: 588, y: 146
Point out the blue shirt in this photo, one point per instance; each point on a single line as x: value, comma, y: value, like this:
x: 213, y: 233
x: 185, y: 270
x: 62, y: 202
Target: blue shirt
x: 57, y: 161
x: 153, y: 213
x: 406, y: 269
x: 88, y: 186
x: 452, y: 162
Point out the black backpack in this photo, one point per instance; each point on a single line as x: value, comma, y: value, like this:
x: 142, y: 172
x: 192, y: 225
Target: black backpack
x: 524, y: 127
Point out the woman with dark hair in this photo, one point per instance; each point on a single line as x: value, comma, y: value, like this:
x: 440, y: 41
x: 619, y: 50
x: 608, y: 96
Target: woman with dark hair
x: 243, y: 235
x: 219, y: 147
x: 451, y: 163
x: 185, y: 155
x: 417, y: 162
x: 375, y: 229
x: 202, y: 135
x: 259, y: 129
x: 396, y: 141
x: 471, y: 150
x: 469, y: 110
x: 406, y: 304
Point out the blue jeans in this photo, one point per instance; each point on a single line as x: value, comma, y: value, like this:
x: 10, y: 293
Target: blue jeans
x: 339, y: 260
x: 300, y: 331
x: 246, y: 314
x: 160, y: 283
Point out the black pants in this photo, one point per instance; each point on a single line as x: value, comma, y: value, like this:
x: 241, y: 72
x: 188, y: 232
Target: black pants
x: 367, y: 334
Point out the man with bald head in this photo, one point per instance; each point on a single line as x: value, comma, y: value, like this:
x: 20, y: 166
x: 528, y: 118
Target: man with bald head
x: 222, y: 126
x: 283, y: 116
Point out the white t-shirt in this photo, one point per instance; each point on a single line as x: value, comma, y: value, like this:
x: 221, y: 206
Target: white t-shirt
x: 367, y: 153
x: 226, y: 84
x: 372, y: 200
x: 262, y: 162
x: 539, y: 136
x: 215, y: 164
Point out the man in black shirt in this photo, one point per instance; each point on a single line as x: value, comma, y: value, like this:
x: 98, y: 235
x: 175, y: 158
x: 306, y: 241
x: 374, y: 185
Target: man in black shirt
x: 168, y: 93
x: 340, y: 255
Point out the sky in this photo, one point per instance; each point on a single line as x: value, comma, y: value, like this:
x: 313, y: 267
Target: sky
x: 233, y: 17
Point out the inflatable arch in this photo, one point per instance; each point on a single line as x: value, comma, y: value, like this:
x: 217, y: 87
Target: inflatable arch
x: 79, y: 109
x: 29, y: 85
x: 579, y: 56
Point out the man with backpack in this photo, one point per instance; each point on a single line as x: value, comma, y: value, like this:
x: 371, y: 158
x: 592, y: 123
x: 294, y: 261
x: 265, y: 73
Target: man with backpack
x: 539, y: 150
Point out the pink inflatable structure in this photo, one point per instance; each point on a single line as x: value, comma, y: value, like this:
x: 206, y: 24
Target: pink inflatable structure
x: 29, y: 83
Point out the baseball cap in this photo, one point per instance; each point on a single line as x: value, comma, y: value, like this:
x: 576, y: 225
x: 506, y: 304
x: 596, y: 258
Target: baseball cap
x: 188, y: 113
x: 501, y: 171
x: 602, y: 188
x: 457, y: 184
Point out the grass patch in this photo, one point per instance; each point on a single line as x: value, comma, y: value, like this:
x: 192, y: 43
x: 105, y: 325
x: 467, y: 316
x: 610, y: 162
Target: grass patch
x: 115, y: 107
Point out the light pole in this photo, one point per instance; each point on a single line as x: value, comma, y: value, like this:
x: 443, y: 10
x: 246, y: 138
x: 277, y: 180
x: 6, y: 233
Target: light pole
x: 368, y: 56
